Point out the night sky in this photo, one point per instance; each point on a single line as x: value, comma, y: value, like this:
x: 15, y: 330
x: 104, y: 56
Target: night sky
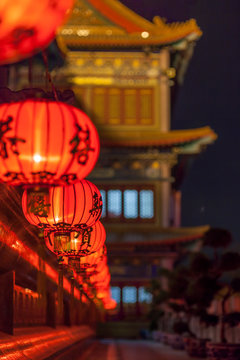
x: 210, y: 96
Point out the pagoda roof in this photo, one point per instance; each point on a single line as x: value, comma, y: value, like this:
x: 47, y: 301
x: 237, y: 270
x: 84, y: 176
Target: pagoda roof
x: 121, y: 239
x: 109, y: 23
x: 190, y: 140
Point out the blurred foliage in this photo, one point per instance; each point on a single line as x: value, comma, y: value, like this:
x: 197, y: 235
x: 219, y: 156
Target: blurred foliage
x: 205, y: 276
x: 180, y: 327
x: 217, y: 238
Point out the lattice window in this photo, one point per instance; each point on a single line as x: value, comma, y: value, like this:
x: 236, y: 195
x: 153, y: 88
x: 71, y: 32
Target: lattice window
x: 122, y: 106
x: 114, y: 106
x: 128, y: 204
x: 130, y: 106
x: 129, y: 294
x: 98, y: 105
x: 144, y: 296
x: 130, y: 209
x: 146, y: 106
x: 114, y: 203
x: 146, y: 204
x: 116, y: 293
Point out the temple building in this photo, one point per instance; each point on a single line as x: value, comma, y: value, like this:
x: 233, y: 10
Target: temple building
x: 125, y: 72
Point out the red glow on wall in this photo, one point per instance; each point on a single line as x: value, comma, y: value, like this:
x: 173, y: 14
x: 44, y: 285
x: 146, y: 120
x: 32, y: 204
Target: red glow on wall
x: 51, y: 273
x: 66, y: 285
x: 45, y: 142
x: 84, y: 299
x: 76, y: 294
x: 110, y: 304
x: 26, y: 28
x: 10, y: 239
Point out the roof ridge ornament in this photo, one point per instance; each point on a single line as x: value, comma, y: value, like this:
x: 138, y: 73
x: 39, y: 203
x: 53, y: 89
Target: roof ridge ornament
x: 119, y: 26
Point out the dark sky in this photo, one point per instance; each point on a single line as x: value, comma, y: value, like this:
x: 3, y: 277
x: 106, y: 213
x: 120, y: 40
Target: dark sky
x: 210, y: 96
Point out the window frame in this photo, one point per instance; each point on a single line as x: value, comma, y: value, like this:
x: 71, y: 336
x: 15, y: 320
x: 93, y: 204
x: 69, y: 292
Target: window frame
x: 122, y: 188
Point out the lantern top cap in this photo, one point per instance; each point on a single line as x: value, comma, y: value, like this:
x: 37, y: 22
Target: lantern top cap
x: 36, y: 94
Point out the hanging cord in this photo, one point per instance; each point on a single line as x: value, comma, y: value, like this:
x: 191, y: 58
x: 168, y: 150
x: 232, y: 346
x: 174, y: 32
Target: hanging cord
x: 48, y: 76
x: 30, y: 82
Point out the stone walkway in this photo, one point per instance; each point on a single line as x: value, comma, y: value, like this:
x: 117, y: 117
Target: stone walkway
x: 130, y: 350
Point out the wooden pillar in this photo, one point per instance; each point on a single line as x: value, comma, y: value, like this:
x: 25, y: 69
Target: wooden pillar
x: 42, y: 281
x: 51, y: 309
x: 121, y: 309
x: 72, y: 305
x: 81, y: 307
x: 7, y: 282
x: 92, y: 314
x: 66, y: 313
x: 60, y: 294
x: 177, y: 195
x: 138, y: 311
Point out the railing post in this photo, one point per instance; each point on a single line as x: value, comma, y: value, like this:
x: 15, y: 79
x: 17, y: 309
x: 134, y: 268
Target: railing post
x: 121, y: 310
x: 7, y: 282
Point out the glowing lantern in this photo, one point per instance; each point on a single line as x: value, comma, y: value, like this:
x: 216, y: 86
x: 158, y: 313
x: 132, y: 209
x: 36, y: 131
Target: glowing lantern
x: 102, y: 279
x: 103, y: 293
x: 66, y: 243
x: 84, y: 269
x: 99, y: 266
x: 90, y: 264
x: 109, y: 304
x: 45, y: 142
x: 95, y: 259
x: 73, y: 206
x: 27, y: 27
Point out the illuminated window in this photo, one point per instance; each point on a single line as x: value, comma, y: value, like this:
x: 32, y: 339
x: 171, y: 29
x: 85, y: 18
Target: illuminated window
x: 128, y: 203
x: 115, y: 290
x: 129, y: 294
x: 144, y: 296
x: 146, y: 204
x: 114, y: 203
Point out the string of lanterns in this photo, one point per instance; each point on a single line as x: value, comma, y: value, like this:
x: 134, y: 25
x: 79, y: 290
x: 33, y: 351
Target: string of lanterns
x: 48, y: 147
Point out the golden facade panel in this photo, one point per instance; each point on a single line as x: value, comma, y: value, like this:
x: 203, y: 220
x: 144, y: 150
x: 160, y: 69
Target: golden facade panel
x: 114, y: 108
x: 98, y: 105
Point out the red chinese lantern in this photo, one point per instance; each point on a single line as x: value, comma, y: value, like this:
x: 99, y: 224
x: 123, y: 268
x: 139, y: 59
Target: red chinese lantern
x: 45, y: 142
x: 26, y: 26
x: 95, y: 259
x: 99, y: 266
x: 68, y: 243
x: 84, y: 269
x: 102, y: 279
x: 89, y: 265
x: 109, y: 304
x: 103, y: 292
x: 73, y: 206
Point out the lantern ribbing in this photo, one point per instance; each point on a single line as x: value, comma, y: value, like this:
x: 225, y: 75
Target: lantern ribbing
x: 45, y: 142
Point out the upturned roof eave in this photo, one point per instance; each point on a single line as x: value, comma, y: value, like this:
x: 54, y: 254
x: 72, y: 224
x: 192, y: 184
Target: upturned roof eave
x: 122, y: 27
x: 168, y: 139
